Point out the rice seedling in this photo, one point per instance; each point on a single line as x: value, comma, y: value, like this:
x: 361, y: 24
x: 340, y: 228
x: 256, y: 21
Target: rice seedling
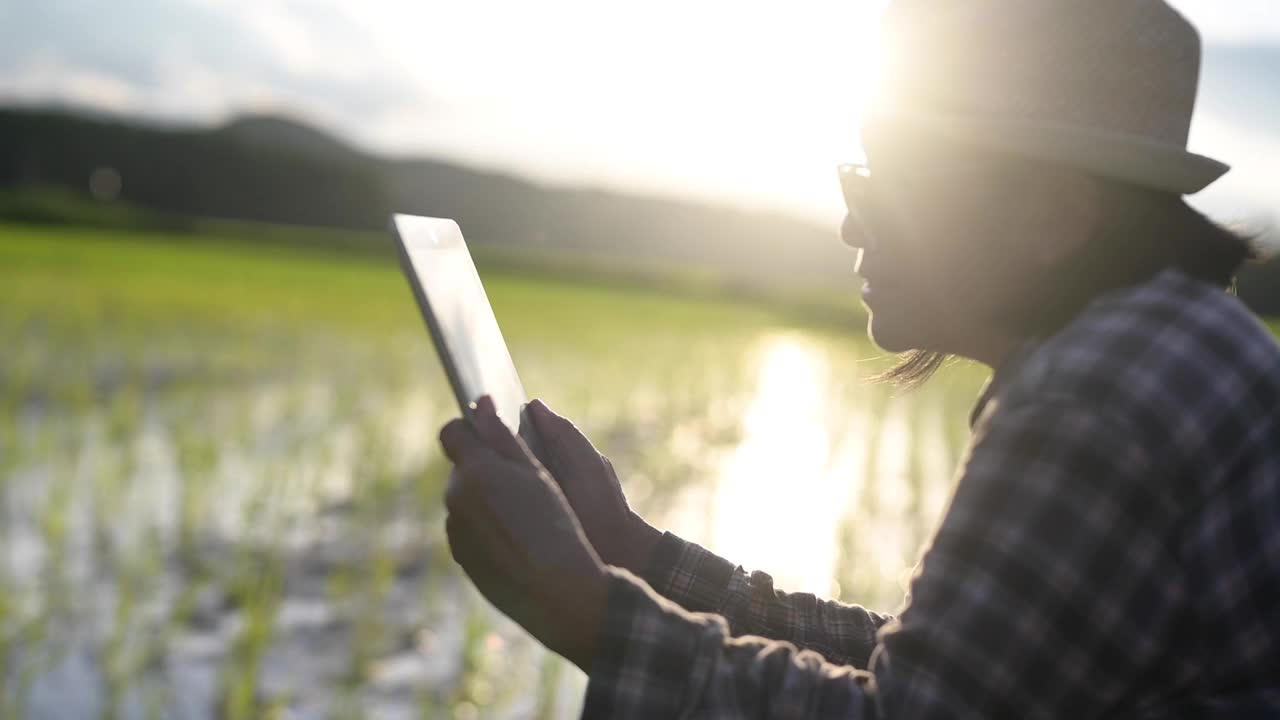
x: 240, y: 431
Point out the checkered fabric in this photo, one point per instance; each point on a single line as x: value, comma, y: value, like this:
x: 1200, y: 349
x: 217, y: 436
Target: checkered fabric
x: 1112, y: 549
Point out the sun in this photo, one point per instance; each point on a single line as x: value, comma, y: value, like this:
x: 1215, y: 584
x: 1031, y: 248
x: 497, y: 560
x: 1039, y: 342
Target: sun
x: 787, y: 108
x: 749, y: 103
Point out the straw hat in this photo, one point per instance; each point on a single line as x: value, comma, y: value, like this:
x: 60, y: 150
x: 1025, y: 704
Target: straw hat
x: 1106, y: 86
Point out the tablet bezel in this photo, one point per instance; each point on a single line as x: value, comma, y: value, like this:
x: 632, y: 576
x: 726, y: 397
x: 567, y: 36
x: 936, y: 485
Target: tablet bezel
x: 428, y: 314
x: 453, y: 240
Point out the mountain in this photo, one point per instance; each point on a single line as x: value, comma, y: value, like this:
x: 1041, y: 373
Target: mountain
x: 191, y: 171
x: 271, y: 131
x: 275, y: 169
x: 278, y: 170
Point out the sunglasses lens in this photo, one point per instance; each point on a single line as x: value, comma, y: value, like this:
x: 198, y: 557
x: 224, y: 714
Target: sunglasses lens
x: 855, y: 183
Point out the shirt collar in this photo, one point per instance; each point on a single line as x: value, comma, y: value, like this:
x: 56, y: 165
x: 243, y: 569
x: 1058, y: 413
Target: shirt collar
x: 1001, y: 377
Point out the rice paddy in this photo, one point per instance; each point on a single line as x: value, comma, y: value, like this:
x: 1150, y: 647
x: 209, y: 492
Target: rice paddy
x: 220, y: 483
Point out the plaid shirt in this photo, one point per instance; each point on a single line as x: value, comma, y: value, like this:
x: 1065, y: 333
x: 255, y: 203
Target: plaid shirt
x: 1112, y: 549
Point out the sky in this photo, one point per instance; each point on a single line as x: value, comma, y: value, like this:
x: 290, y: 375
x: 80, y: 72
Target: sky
x: 745, y: 102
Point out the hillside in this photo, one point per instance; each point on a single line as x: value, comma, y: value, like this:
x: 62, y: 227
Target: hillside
x: 276, y: 170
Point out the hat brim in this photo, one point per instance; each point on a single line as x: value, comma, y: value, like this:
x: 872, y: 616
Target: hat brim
x: 1131, y: 159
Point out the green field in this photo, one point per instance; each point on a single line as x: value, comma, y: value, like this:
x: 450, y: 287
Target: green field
x: 221, y: 485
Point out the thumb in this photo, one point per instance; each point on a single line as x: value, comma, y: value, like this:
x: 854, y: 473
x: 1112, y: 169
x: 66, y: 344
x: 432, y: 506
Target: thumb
x: 572, y: 453
x: 542, y: 415
x: 549, y: 428
x: 496, y: 434
x: 557, y: 429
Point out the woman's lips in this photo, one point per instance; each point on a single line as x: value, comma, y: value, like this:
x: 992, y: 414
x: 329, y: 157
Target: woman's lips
x: 869, y: 279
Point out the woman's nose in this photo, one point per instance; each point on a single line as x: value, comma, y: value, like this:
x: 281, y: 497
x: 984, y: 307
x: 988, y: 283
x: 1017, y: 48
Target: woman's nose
x: 853, y: 232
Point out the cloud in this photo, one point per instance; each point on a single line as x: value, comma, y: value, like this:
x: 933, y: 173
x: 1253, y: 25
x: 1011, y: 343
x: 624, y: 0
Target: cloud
x: 1242, y: 82
x: 1233, y: 21
x: 1249, y: 192
x: 197, y: 60
x: 1238, y: 121
x: 746, y: 103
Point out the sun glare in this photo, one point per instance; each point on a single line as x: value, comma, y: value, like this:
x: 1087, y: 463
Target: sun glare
x: 782, y: 491
x: 742, y: 102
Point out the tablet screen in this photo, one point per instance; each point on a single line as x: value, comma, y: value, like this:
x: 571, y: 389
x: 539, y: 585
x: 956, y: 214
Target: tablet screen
x: 457, y: 311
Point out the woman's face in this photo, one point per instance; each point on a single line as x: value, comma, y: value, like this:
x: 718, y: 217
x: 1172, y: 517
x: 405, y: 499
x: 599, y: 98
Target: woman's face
x: 948, y: 236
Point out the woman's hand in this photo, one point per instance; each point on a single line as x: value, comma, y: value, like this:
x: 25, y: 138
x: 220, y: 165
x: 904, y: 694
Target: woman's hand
x: 511, y: 529
x: 591, y: 486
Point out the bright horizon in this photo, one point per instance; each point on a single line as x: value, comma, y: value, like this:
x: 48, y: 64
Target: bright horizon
x: 714, y: 101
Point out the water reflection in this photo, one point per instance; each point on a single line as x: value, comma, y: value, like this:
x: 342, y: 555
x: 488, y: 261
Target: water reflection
x: 321, y: 489
x: 783, y: 490
x: 835, y: 481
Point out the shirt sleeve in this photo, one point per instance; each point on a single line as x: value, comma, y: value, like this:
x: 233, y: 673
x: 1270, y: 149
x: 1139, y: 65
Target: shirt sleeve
x: 700, y: 581
x: 1051, y: 590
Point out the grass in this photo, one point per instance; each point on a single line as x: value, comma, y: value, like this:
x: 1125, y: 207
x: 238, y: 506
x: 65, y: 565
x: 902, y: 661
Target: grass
x: 208, y: 405
x: 220, y: 485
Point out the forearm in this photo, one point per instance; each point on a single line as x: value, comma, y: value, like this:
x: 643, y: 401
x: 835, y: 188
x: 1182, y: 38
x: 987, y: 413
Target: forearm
x: 655, y: 659
x: 1032, y: 601
x: 700, y: 581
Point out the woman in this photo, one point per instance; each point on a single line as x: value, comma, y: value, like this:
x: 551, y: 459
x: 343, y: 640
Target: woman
x: 1113, y: 545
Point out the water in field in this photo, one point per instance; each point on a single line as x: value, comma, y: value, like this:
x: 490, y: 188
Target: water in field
x: 220, y: 484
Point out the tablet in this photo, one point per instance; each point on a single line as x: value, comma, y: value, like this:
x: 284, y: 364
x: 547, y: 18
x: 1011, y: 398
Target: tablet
x: 443, y: 277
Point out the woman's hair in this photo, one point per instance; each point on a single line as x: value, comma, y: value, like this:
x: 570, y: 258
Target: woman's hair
x: 1140, y: 232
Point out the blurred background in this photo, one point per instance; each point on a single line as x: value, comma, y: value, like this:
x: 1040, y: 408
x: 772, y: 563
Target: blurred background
x: 219, y: 478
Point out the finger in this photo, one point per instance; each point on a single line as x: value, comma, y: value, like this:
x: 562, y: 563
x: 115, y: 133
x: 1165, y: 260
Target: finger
x: 453, y: 489
x: 470, y: 554
x: 461, y: 441
x: 476, y: 485
x: 496, y: 434
x: 466, y: 546
x: 477, y: 546
x: 456, y: 536
x: 555, y: 430
x: 563, y: 432
x: 488, y: 559
x: 482, y: 481
x: 464, y: 530
x: 545, y: 418
x: 561, y: 439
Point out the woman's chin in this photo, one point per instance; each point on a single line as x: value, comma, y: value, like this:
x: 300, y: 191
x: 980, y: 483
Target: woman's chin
x: 889, y: 336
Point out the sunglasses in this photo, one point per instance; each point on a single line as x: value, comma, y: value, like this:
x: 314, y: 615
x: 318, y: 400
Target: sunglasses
x: 854, y: 179
x: 855, y: 183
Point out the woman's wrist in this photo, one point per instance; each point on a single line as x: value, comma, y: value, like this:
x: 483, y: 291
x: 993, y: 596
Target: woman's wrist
x: 582, y: 631
x: 642, y: 538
